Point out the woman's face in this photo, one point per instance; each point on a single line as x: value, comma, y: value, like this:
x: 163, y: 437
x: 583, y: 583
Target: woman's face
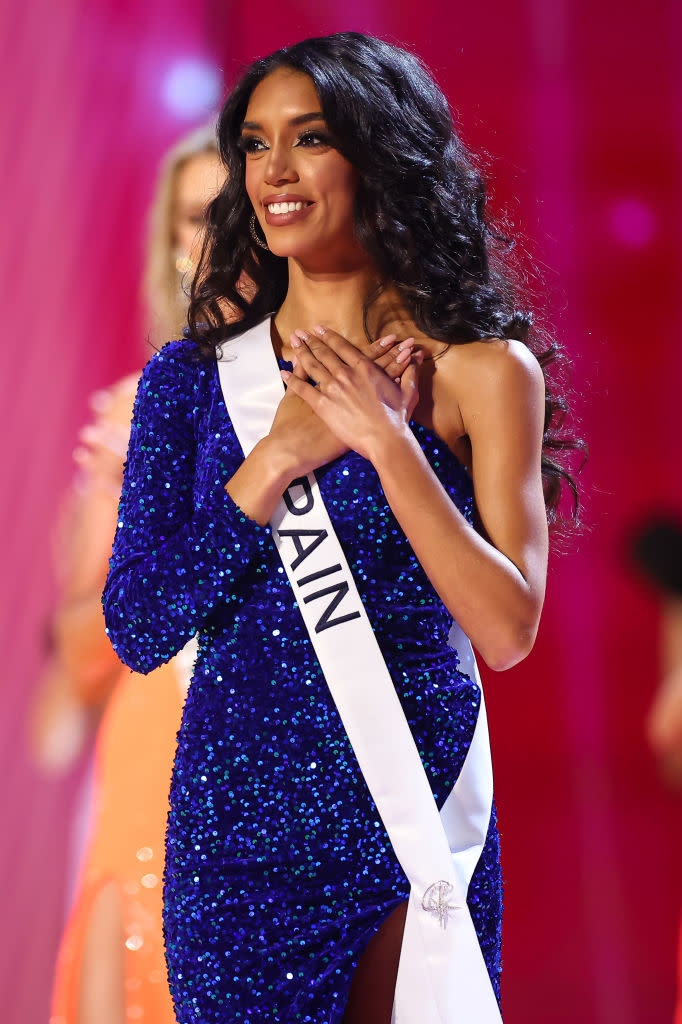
x: 197, y: 181
x: 301, y: 188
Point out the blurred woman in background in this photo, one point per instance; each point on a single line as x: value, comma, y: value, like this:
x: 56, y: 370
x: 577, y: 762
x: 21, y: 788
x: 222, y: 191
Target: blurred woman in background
x: 110, y: 966
x: 656, y: 551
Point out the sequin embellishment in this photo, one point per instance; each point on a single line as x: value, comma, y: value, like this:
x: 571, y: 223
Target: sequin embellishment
x: 278, y: 870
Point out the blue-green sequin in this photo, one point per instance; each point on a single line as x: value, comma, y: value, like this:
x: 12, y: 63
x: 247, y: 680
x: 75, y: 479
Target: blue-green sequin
x: 278, y: 869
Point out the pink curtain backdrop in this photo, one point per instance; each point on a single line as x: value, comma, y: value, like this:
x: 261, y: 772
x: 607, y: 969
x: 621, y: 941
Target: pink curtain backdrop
x: 580, y: 105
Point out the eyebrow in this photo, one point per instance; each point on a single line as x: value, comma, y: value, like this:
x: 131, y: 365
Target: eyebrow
x: 301, y: 119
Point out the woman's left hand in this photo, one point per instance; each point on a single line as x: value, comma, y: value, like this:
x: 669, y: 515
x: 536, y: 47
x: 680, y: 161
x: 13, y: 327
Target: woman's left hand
x: 357, y: 400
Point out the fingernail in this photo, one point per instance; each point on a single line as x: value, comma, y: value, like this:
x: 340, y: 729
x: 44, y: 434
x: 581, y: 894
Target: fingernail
x: 285, y: 374
x: 295, y: 341
x: 403, y: 354
x: 390, y: 339
x: 397, y: 380
x: 294, y: 361
x: 319, y: 329
x: 301, y: 334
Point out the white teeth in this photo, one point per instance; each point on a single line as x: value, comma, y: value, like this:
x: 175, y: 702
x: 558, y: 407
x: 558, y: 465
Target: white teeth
x: 276, y: 208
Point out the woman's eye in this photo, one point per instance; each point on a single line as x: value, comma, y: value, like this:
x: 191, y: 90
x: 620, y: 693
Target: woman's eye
x: 313, y: 139
x: 251, y: 144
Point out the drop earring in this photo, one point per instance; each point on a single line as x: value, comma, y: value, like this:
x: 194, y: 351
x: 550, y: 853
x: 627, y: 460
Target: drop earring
x: 254, y: 233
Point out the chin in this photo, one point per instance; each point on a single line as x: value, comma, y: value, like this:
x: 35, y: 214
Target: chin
x: 297, y: 250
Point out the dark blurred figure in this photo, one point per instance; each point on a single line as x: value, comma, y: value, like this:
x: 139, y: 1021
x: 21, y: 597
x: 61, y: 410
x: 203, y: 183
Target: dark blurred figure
x: 656, y: 549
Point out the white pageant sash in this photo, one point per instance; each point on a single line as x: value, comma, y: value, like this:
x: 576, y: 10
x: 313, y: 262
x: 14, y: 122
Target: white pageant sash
x: 442, y: 977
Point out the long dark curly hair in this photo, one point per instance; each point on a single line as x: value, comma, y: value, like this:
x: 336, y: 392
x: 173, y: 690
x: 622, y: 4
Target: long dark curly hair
x: 420, y: 214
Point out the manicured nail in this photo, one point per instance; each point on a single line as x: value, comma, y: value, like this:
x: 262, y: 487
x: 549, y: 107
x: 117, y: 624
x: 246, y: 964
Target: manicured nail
x: 295, y: 341
x: 319, y: 329
x: 390, y: 339
x: 302, y: 334
x: 284, y: 374
x: 397, y: 380
x: 294, y: 361
x: 403, y: 354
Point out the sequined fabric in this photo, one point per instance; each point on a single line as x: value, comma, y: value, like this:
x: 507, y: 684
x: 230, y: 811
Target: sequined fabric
x: 278, y: 869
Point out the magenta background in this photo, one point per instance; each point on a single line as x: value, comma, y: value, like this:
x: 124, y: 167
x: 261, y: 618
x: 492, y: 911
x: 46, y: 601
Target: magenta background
x: 580, y: 103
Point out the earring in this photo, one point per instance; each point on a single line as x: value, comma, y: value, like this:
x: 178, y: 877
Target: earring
x: 183, y: 263
x: 254, y: 233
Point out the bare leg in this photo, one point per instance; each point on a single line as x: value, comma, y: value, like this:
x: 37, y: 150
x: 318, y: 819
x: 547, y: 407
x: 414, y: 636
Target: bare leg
x: 101, y: 986
x: 370, y: 1000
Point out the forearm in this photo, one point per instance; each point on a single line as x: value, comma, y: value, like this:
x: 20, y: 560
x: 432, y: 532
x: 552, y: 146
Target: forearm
x: 84, y: 648
x: 257, y: 486
x: 155, y: 601
x: 483, y: 590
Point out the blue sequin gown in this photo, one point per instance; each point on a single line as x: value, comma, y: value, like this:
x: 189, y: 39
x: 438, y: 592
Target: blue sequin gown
x: 278, y: 869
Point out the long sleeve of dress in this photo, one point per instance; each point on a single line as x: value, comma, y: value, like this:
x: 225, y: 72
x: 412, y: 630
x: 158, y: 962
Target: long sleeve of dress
x: 179, y: 548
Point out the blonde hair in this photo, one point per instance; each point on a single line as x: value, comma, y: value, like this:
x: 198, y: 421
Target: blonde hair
x: 164, y: 298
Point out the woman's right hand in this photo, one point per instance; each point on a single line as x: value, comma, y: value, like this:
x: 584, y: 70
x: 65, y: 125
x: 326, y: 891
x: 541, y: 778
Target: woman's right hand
x: 300, y: 438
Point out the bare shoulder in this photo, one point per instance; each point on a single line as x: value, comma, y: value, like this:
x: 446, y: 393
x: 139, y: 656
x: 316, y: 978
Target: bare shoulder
x: 495, y: 362
x: 474, y: 374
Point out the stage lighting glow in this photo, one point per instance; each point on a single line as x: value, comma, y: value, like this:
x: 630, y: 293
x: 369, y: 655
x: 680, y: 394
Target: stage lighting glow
x: 632, y: 221
x: 191, y: 87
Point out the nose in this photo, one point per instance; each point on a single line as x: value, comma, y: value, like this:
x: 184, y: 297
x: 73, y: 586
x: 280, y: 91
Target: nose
x: 279, y: 169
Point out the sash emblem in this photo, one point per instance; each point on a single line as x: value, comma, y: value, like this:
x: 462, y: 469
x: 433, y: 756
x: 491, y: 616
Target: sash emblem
x: 435, y: 901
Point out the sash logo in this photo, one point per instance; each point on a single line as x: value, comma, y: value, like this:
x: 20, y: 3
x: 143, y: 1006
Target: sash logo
x: 305, y: 541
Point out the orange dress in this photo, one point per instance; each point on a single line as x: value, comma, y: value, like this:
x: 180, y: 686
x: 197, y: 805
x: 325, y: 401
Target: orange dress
x: 133, y: 762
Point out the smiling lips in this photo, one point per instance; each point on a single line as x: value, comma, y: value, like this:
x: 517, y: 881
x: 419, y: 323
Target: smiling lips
x: 286, y: 209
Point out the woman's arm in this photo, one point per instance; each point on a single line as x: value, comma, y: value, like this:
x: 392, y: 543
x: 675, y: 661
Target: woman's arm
x: 664, y: 721
x: 175, y: 559
x: 81, y: 643
x: 494, y: 585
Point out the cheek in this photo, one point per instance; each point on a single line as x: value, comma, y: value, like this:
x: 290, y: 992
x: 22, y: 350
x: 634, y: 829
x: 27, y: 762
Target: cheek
x: 252, y: 181
x: 340, y: 183
x: 346, y: 186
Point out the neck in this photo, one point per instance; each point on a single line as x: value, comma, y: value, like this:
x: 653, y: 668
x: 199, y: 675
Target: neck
x: 335, y: 299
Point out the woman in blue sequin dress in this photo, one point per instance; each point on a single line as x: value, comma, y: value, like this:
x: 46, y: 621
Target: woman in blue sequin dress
x: 350, y: 203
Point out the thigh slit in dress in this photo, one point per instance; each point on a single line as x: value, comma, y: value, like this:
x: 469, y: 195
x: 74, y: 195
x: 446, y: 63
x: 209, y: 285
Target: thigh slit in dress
x: 278, y: 868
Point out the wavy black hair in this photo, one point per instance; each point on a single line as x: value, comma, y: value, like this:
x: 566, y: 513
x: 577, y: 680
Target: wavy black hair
x: 420, y: 214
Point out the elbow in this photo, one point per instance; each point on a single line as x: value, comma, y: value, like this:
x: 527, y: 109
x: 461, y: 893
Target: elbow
x: 512, y: 644
x: 133, y: 645
x: 138, y: 651
x: 129, y: 634
x: 141, y: 645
